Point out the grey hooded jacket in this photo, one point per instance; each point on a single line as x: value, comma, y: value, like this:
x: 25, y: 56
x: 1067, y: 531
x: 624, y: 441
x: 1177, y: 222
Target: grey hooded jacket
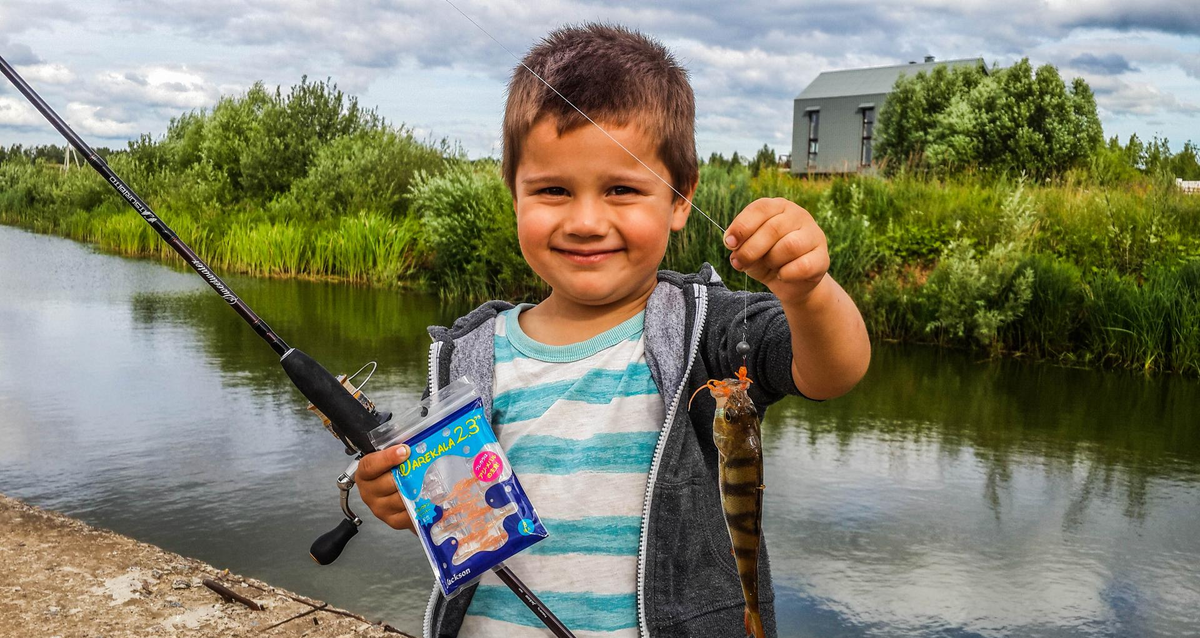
x: 687, y: 582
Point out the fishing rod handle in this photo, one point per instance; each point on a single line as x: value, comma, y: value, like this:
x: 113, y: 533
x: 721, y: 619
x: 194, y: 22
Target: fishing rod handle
x: 352, y: 419
x: 143, y: 209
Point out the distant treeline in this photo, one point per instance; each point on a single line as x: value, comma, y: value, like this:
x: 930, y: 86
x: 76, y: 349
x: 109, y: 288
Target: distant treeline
x: 52, y: 153
x: 1097, y: 266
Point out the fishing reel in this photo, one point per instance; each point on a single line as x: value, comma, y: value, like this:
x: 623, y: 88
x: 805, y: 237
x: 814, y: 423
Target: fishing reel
x: 354, y: 415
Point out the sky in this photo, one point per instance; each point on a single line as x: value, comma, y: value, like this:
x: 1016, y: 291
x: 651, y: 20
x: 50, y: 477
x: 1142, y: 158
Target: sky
x: 117, y: 69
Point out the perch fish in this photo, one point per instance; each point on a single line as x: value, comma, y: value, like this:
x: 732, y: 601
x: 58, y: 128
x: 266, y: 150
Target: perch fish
x: 739, y: 446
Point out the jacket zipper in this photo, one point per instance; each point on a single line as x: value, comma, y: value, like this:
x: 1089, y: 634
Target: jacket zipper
x: 435, y: 351
x: 701, y: 309
x: 701, y: 302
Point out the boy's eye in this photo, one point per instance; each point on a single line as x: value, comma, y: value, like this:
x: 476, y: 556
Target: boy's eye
x: 624, y: 190
x: 553, y: 191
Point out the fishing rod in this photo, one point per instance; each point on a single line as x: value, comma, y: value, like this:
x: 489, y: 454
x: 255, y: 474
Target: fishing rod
x: 343, y: 408
x: 349, y: 416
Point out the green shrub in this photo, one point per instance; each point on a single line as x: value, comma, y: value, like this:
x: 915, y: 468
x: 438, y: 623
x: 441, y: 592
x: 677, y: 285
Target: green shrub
x: 470, y: 228
x: 367, y: 171
x: 977, y: 294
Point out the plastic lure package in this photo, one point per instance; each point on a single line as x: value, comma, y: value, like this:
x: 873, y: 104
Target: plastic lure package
x: 470, y: 511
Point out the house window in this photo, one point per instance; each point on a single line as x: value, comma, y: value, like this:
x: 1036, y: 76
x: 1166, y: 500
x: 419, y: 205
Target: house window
x: 868, y: 130
x: 813, y: 121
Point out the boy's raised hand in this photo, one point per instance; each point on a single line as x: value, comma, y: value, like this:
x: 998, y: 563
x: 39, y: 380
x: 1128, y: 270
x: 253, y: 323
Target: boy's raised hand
x: 778, y: 243
x: 378, y: 489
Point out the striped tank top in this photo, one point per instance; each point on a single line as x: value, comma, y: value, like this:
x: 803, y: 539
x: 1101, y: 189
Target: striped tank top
x: 579, y: 424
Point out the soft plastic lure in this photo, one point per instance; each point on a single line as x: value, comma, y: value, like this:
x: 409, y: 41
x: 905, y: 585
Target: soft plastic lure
x: 468, y: 521
x: 739, y: 447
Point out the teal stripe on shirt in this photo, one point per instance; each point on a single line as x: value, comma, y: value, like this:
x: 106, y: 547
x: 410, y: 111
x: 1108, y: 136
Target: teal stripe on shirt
x: 596, y: 386
x: 602, y: 535
x: 580, y: 611
x: 505, y: 353
x: 611, y: 453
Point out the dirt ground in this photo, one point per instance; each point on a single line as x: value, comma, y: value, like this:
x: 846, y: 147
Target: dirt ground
x: 60, y: 577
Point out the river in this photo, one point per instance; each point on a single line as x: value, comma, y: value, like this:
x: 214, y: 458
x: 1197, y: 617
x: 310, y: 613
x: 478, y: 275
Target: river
x: 945, y: 496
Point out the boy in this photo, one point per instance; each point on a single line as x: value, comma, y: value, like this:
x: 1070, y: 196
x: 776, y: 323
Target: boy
x: 588, y: 389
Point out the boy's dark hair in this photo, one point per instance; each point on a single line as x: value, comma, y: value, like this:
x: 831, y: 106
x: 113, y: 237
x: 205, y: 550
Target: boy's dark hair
x: 615, y: 75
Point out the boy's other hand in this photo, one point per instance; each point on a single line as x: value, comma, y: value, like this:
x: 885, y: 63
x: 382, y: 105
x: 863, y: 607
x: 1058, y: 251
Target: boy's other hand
x: 378, y: 489
x: 778, y: 243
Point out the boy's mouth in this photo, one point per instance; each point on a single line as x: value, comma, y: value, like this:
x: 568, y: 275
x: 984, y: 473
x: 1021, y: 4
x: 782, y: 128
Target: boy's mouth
x: 586, y: 256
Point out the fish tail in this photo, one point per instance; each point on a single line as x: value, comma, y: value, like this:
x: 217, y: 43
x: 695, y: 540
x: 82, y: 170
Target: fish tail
x: 754, y: 626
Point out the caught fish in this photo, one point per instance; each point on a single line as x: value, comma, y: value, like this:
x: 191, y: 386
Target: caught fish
x: 739, y: 447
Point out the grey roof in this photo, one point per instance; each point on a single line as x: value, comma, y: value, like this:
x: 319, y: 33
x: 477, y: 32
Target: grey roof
x: 872, y: 81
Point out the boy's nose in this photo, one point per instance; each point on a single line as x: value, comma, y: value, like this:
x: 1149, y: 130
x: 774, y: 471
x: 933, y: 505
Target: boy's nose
x: 586, y: 218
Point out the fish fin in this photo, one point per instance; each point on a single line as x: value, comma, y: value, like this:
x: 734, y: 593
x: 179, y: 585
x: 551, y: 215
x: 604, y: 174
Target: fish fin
x: 753, y: 623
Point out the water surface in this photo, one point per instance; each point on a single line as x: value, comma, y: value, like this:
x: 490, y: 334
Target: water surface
x: 944, y: 497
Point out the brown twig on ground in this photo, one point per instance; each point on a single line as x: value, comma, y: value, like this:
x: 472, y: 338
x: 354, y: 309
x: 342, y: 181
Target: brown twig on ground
x: 229, y: 595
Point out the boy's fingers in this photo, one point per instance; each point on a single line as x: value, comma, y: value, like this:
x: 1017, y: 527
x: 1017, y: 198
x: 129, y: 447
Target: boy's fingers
x: 811, y: 266
x: 748, y: 221
x: 790, y: 247
x: 376, y: 464
x: 763, y: 239
x: 400, y: 520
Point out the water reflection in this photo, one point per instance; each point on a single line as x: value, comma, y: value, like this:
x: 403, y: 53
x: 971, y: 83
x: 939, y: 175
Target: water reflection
x: 943, y: 497
x: 948, y: 498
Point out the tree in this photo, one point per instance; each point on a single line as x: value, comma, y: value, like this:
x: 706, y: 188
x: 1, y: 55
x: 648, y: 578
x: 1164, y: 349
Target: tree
x: 764, y: 159
x: 1186, y: 163
x: 1014, y: 119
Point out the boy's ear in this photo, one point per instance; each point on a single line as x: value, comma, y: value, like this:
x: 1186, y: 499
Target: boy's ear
x: 681, y: 209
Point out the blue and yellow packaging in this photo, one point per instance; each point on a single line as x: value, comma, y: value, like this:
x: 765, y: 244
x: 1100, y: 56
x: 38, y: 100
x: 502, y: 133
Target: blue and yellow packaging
x: 469, y: 510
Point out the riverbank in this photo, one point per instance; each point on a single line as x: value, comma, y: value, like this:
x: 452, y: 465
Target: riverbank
x: 62, y: 577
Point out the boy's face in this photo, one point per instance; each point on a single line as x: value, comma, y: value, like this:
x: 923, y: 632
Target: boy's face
x: 593, y: 222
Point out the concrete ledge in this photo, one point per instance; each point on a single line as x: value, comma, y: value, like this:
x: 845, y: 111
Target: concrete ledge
x: 62, y: 577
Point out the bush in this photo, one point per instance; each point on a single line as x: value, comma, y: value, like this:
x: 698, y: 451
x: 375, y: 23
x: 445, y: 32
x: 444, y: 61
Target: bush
x: 367, y: 171
x: 470, y: 228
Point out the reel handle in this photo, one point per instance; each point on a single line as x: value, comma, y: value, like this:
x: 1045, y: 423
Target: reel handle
x: 329, y: 545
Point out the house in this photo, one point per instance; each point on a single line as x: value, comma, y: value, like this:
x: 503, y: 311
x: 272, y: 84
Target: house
x: 833, y: 122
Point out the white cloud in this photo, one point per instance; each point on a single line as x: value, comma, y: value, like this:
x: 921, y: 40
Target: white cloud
x: 18, y: 16
x: 86, y: 119
x: 46, y: 73
x: 16, y: 112
x: 160, y: 86
x: 1122, y: 97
